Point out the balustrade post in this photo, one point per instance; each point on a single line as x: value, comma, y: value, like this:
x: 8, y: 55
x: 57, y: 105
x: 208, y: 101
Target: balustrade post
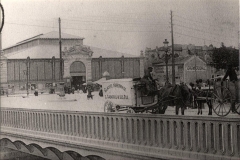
x: 77, y: 125
x: 152, y: 133
x: 25, y: 119
x: 101, y: 129
x: 125, y: 130
x: 55, y: 121
x: 81, y: 126
x: 185, y: 132
x: 52, y: 122
x: 114, y: 132
x: 140, y: 132
x: 131, y: 130
x: 97, y: 127
x: 44, y: 122
x: 93, y: 127
x: 71, y: 124
x: 236, y: 139
x: 106, y: 128
x: 193, y: 137
x: 89, y: 126
x: 110, y: 128
x: 59, y: 123
x: 200, y: 127
x: 118, y: 129
x: 218, y: 135
x: 225, y: 138
x: 168, y: 133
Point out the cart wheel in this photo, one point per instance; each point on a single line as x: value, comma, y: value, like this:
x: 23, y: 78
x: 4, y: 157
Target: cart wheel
x: 221, y: 101
x: 109, y: 106
x: 130, y: 110
x: 237, y: 107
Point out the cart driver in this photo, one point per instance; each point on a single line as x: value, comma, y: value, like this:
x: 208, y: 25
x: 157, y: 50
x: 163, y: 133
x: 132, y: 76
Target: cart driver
x: 233, y: 84
x: 149, y: 74
x: 148, y: 79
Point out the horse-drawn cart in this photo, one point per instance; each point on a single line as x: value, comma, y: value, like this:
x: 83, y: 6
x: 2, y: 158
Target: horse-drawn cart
x: 142, y: 95
x: 126, y: 95
x: 221, y: 97
x: 224, y: 97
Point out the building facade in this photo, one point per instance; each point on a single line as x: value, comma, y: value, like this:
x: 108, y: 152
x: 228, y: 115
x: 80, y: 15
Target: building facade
x: 191, y: 63
x: 80, y: 63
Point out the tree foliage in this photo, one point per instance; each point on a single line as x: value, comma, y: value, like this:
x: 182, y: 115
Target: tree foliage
x: 223, y: 56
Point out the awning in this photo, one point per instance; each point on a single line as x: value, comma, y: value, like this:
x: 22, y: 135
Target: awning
x: 100, y: 81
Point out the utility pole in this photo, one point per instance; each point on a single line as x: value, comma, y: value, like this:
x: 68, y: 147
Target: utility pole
x: 173, y: 63
x: 60, y: 47
x: 28, y: 62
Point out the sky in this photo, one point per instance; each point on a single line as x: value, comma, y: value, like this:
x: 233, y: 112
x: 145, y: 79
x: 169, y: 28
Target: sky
x: 126, y: 26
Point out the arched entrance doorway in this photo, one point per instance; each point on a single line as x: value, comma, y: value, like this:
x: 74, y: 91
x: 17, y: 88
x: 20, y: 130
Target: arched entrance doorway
x: 78, y: 74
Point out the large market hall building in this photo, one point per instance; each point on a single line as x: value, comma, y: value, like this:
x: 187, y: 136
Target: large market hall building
x: 80, y: 63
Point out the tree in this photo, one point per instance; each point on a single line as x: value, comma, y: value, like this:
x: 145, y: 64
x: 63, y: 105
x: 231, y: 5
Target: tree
x: 223, y: 56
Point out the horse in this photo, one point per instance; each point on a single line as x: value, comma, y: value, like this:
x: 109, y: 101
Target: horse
x: 173, y: 95
x: 201, y: 97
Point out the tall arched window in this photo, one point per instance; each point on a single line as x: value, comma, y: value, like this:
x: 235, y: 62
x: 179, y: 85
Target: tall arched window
x: 78, y: 68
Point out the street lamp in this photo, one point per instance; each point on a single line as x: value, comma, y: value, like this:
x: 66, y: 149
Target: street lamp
x: 166, y: 58
x: 28, y: 61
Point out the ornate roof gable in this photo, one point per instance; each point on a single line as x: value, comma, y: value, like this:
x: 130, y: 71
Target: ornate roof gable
x: 78, y: 51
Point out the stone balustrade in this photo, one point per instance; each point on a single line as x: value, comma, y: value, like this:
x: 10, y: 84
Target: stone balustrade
x: 152, y: 135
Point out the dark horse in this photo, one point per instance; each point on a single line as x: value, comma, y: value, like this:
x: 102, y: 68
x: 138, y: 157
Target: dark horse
x: 173, y: 95
x: 200, y: 97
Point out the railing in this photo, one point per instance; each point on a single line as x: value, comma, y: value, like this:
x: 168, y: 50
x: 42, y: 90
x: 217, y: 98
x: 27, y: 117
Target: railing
x: 184, y: 136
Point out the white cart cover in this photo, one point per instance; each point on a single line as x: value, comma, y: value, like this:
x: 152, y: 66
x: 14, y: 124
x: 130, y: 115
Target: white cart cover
x: 119, y: 91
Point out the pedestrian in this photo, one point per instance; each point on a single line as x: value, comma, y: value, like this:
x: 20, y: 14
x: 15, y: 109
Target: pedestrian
x: 233, y: 84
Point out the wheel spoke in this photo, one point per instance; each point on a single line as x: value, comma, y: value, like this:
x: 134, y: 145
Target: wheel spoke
x: 219, y: 109
x: 216, y: 96
x: 224, y: 109
x: 219, y: 94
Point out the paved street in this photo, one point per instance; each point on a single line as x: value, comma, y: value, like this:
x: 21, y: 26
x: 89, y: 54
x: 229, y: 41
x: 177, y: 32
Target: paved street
x: 75, y: 102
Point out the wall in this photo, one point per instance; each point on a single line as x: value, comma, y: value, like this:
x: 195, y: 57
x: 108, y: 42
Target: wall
x: 3, y: 73
x: 192, y: 73
x: 116, y: 67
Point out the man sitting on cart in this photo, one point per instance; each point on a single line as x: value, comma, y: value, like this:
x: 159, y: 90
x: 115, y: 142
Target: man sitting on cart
x: 233, y: 84
x: 149, y: 81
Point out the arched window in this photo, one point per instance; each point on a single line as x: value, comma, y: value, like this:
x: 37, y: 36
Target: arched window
x: 78, y: 67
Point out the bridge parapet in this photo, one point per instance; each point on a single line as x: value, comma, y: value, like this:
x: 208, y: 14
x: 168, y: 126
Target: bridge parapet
x: 143, y: 135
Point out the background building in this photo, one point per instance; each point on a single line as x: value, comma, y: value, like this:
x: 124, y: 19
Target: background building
x: 191, y: 63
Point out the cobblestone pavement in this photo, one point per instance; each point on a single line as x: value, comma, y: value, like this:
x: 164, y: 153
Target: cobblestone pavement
x: 77, y: 102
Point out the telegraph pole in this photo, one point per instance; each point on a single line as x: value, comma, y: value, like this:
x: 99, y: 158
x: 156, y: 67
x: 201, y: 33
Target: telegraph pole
x: 60, y: 47
x: 173, y: 63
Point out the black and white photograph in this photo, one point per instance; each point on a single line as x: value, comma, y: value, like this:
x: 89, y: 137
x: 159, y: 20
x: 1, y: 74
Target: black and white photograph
x: 119, y: 80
